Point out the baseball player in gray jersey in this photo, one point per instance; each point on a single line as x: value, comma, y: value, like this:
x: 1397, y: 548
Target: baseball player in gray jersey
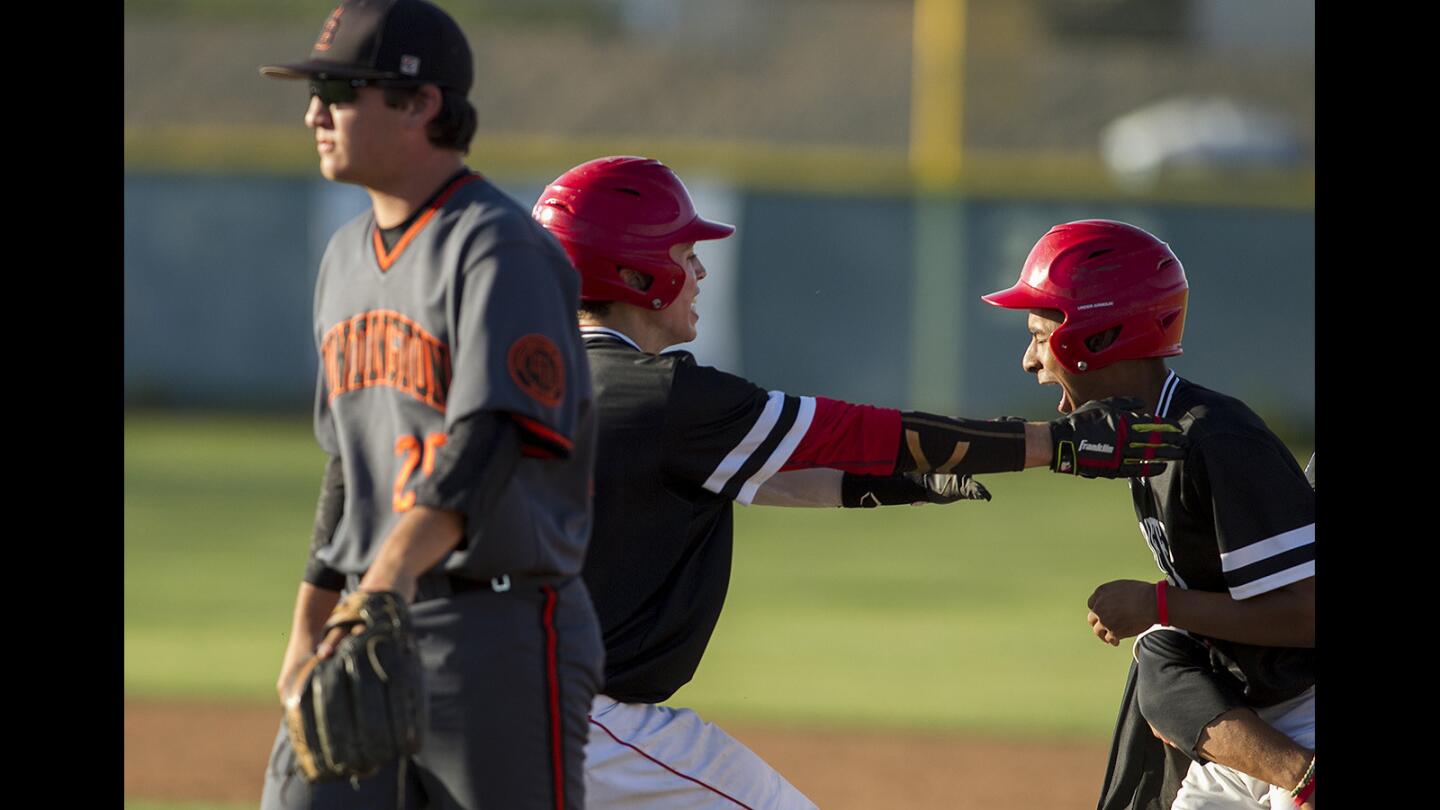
x: 454, y: 401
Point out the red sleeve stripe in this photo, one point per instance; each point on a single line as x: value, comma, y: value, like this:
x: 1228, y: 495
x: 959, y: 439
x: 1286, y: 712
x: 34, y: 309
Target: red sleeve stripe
x: 860, y: 439
x: 543, y: 432
x: 552, y: 683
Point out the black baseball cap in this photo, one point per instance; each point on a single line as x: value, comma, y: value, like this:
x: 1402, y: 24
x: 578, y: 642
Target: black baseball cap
x: 387, y: 39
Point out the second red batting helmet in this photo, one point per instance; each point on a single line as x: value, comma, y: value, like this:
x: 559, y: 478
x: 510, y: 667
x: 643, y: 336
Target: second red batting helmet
x: 1102, y: 275
x: 618, y: 212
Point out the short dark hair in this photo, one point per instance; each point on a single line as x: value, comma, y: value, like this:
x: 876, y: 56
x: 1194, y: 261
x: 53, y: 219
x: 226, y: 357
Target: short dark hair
x: 601, y: 309
x: 595, y: 309
x: 453, y: 127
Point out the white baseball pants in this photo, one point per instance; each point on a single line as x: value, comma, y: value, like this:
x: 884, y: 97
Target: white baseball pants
x: 649, y: 757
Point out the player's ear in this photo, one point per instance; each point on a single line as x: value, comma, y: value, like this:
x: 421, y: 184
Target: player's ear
x: 425, y: 104
x: 634, y: 279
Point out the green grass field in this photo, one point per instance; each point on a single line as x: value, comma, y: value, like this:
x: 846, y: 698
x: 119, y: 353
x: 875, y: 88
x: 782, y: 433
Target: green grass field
x: 967, y: 617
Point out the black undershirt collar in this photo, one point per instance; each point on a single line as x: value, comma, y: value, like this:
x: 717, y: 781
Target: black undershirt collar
x: 389, y: 236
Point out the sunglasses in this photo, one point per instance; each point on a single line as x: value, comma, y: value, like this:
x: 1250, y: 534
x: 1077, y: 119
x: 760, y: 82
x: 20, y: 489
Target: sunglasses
x: 344, y: 91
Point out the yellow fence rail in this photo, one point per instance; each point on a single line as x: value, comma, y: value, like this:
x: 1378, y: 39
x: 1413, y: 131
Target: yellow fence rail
x: 764, y: 166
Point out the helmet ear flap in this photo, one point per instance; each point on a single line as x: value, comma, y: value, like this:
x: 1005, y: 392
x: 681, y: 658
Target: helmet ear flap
x: 1104, y: 339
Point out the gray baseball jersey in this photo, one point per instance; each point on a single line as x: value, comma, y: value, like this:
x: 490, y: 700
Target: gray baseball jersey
x: 473, y: 310
x: 469, y: 314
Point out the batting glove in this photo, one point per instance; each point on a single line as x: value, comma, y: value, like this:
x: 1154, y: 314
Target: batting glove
x: 1114, y: 438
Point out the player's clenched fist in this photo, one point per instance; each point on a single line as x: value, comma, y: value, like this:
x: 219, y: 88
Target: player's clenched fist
x: 1114, y: 438
x: 1122, y: 609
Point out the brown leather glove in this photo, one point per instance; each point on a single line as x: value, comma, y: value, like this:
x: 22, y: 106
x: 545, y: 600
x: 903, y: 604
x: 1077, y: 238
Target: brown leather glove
x: 360, y: 709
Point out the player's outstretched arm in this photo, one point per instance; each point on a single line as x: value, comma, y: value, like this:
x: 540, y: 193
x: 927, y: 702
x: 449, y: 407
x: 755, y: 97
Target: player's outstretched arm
x: 823, y: 487
x: 817, y: 487
x: 1110, y: 438
x: 719, y: 425
x: 868, y: 491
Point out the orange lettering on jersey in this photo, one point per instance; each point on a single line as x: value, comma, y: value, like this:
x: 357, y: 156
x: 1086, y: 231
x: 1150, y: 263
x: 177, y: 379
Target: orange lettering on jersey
x: 420, y: 361
x: 384, y: 348
x: 327, y: 34
x: 354, y: 353
x: 392, y: 346
x: 374, y: 348
x: 402, y: 343
x: 440, y: 373
x: 334, y: 363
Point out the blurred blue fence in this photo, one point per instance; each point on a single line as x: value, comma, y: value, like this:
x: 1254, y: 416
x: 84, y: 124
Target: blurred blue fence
x: 219, y: 272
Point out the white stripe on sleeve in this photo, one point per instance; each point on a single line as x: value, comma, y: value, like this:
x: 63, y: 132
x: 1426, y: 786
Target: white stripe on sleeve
x: 1279, y: 579
x: 737, y: 457
x: 1167, y: 391
x: 1279, y: 544
x: 787, y: 445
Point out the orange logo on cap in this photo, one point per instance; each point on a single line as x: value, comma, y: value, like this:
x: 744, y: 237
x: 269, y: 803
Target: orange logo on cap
x: 327, y: 34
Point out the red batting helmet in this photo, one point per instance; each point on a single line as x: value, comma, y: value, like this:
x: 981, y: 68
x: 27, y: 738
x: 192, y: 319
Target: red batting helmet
x: 624, y: 212
x: 1103, y: 274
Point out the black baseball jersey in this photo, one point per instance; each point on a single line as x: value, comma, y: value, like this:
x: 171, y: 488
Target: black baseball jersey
x: 678, y: 442
x: 1237, y: 516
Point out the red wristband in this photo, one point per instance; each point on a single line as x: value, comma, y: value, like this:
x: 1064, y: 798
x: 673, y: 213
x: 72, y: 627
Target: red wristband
x: 1160, y: 588
x: 1305, y: 794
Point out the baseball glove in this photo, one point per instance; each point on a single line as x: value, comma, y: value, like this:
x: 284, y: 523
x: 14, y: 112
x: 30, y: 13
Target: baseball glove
x: 358, y: 710
x: 1113, y: 438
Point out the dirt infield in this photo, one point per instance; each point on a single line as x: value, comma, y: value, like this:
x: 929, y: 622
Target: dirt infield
x: 216, y: 752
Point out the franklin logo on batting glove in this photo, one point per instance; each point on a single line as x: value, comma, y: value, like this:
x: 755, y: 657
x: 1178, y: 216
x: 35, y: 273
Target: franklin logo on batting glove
x: 1095, y: 440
